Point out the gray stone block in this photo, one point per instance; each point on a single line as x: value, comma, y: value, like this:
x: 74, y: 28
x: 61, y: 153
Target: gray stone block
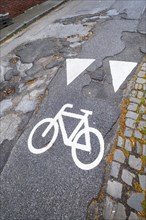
x: 132, y: 107
x: 141, y: 74
x: 135, y: 201
x: 115, y: 169
x: 138, y: 148
x: 120, y: 212
x: 120, y: 141
x: 134, y: 100
x: 142, y: 181
x: 144, y: 117
x: 141, y: 124
x: 114, y: 189
x: 143, y: 67
x: 130, y: 123
x: 142, y: 109
x: 127, y: 177
x: 134, y: 162
x: 144, y: 150
x: 134, y: 93
x: 128, y: 132
x: 137, y: 134
x: 128, y: 145
x: 133, y: 216
x: 119, y: 156
x: 140, y: 94
x: 141, y: 80
x: 132, y: 115
x: 109, y: 209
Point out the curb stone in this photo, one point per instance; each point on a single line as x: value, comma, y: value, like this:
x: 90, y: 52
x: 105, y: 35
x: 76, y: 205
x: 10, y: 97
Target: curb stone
x: 122, y: 196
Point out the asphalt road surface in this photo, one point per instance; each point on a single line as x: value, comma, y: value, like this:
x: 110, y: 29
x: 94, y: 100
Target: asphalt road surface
x: 57, y: 183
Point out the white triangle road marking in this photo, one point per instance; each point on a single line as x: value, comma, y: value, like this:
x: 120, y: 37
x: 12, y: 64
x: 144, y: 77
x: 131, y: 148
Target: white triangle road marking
x: 119, y: 71
x: 75, y: 67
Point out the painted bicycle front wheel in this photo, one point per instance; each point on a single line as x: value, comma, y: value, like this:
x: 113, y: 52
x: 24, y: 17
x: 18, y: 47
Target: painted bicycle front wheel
x: 97, y: 159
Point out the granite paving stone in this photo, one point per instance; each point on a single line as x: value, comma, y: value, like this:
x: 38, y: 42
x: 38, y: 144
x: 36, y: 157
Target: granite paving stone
x: 142, y: 180
x: 132, y: 115
x: 142, y: 124
x: 134, y: 100
x: 141, y: 80
x: 133, y: 216
x: 135, y: 201
x: 127, y: 177
x: 130, y: 123
x: 120, y: 212
x: 110, y: 207
x: 137, y: 134
x: 114, y: 189
x: 128, y: 145
x: 140, y: 94
x: 141, y: 74
x: 120, y: 141
x: 134, y: 162
x: 144, y: 149
x: 115, y: 169
x: 138, y: 148
x: 132, y: 106
x: 128, y: 132
x: 119, y: 156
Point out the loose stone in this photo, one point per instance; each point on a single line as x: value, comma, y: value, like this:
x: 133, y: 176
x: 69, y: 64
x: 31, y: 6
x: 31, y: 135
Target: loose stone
x: 119, y: 156
x: 127, y: 177
x: 120, y: 141
x: 130, y: 123
x: 114, y: 189
x: 115, y: 169
x: 132, y: 106
x: 135, y: 201
x: 137, y: 134
x: 120, y: 213
x: 5, y: 105
x: 134, y: 162
x: 128, y: 132
x: 128, y: 145
x: 142, y: 180
x: 133, y: 216
x: 132, y: 115
x: 144, y: 117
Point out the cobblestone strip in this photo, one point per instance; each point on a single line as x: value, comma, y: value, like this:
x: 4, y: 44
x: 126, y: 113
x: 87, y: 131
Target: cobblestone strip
x: 124, y: 196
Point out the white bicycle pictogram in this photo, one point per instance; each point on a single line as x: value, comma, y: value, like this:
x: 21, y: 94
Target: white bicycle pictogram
x: 72, y: 140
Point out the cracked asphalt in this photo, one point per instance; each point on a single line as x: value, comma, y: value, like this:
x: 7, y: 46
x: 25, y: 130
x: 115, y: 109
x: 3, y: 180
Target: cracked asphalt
x: 33, y: 87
